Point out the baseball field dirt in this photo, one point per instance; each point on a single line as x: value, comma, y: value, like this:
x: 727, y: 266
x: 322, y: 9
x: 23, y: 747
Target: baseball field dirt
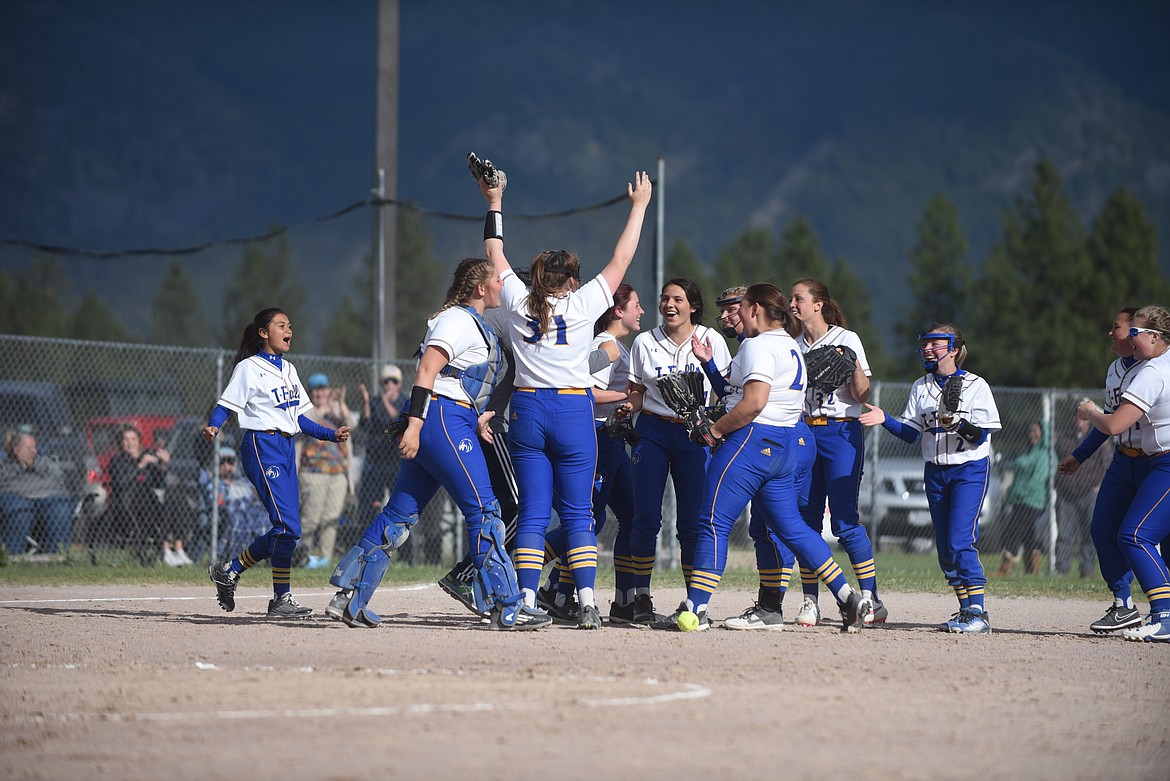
x: 126, y: 682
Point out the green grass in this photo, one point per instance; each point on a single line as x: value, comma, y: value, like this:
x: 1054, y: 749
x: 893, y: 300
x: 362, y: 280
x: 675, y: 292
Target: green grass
x: 897, y: 571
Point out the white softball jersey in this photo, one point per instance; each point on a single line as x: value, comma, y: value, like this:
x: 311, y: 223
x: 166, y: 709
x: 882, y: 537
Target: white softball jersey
x: 840, y: 403
x: 947, y: 448
x: 265, y: 396
x: 772, y: 357
x: 1150, y: 391
x: 1117, y: 379
x: 615, y: 377
x: 456, y: 333
x: 559, y: 358
x: 655, y: 354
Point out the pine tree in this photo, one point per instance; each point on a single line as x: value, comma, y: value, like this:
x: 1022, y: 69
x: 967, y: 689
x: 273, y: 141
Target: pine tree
x: 1037, y: 306
x: 800, y: 256
x: 176, y: 316
x: 940, y: 280
x: 265, y: 277
x: 92, y: 320
x: 1123, y: 249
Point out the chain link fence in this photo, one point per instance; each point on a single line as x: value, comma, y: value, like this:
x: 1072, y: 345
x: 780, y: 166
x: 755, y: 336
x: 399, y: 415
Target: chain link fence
x: 76, y: 398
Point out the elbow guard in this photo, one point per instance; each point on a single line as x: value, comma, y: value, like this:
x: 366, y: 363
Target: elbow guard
x: 971, y: 433
x: 420, y: 401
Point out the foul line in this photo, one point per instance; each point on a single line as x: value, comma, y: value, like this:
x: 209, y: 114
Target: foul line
x: 689, y: 691
x: 418, y: 587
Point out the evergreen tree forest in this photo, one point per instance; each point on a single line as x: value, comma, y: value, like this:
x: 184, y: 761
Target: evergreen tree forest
x: 1034, y: 311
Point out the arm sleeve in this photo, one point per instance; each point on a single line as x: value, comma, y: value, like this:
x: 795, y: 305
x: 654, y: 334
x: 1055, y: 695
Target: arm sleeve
x: 316, y: 430
x: 719, y: 384
x: 219, y: 416
x: 598, y: 360
x: 1090, y: 444
x: 901, y: 430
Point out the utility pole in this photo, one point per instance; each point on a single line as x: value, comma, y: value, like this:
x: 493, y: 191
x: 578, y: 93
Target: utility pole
x: 386, y: 181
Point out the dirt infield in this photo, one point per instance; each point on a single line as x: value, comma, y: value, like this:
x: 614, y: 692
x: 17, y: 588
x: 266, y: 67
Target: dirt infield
x: 137, y: 683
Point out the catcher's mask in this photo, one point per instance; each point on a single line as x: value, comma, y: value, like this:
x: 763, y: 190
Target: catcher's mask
x: 732, y: 295
x: 930, y: 364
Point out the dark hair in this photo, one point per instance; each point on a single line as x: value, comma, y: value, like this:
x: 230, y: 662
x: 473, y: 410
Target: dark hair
x: 470, y: 273
x: 773, y: 301
x: 250, y: 342
x: 693, y: 293
x: 621, y: 298
x: 551, y: 271
x: 820, y: 293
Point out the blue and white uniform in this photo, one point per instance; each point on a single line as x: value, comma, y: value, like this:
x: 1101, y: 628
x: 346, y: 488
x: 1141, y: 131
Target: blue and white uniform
x: 449, y: 455
x: 1120, y: 484
x: 551, y: 434
x: 836, y: 473
x: 613, y: 485
x: 665, y: 449
x: 270, y: 403
x: 956, y: 475
x: 762, y: 462
x: 1147, y: 521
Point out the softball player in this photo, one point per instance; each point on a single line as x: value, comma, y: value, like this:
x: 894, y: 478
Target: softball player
x: 663, y: 446
x: 266, y: 394
x: 459, y: 365
x: 774, y: 561
x: 1125, y: 474
x: 551, y: 424
x: 767, y: 448
x: 1146, y: 400
x: 613, y: 486
x: 957, y: 452
x: 836, y: 474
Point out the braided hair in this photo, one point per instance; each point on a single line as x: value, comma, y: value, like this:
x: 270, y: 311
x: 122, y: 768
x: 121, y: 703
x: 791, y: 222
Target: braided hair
x: 469, y: 274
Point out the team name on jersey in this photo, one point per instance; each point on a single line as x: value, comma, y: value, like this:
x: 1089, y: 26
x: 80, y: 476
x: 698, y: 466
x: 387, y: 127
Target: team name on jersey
x: 285, y: 397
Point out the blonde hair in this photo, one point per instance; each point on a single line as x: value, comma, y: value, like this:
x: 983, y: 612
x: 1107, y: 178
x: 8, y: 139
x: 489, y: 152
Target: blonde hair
x: 960, y: 342
x: 1156, y: 317
x: 469, y: 274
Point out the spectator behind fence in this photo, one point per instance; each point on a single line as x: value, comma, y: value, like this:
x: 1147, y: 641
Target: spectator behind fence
x: 324, y: 468
x: 242, y: 517
x: 1076, y: 495
x: 33, y: 497
x: 380, y: 469
x: 1027, y: 498
x: 137, y: 484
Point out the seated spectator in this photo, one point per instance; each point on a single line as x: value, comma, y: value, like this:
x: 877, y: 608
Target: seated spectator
x: 137, y: 482
x: 33, y: 497
x: 242, y: 517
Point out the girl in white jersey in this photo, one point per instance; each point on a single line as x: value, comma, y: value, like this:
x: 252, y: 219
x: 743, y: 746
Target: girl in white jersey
x: 956, y: 449
x: 614, y: 485
x: 663, y: 447
x: 1122, y: 479
x: 551, y: 426
x: 836, y: 474
x: 266, y: 394
x: 1146, y: 399
x: 768, y: 450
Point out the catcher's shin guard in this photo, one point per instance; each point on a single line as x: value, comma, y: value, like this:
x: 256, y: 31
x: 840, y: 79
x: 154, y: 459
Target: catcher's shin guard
x: 496, y: 577
x: 370, y: 571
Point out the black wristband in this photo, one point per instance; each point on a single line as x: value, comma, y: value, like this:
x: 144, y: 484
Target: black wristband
x: 420, y: 400
x: 971, y: 433
x: 493, y: 226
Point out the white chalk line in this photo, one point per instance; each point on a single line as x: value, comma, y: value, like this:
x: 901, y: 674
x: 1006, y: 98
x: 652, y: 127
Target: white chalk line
x: 687, y: 691
x: 201, y: 598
